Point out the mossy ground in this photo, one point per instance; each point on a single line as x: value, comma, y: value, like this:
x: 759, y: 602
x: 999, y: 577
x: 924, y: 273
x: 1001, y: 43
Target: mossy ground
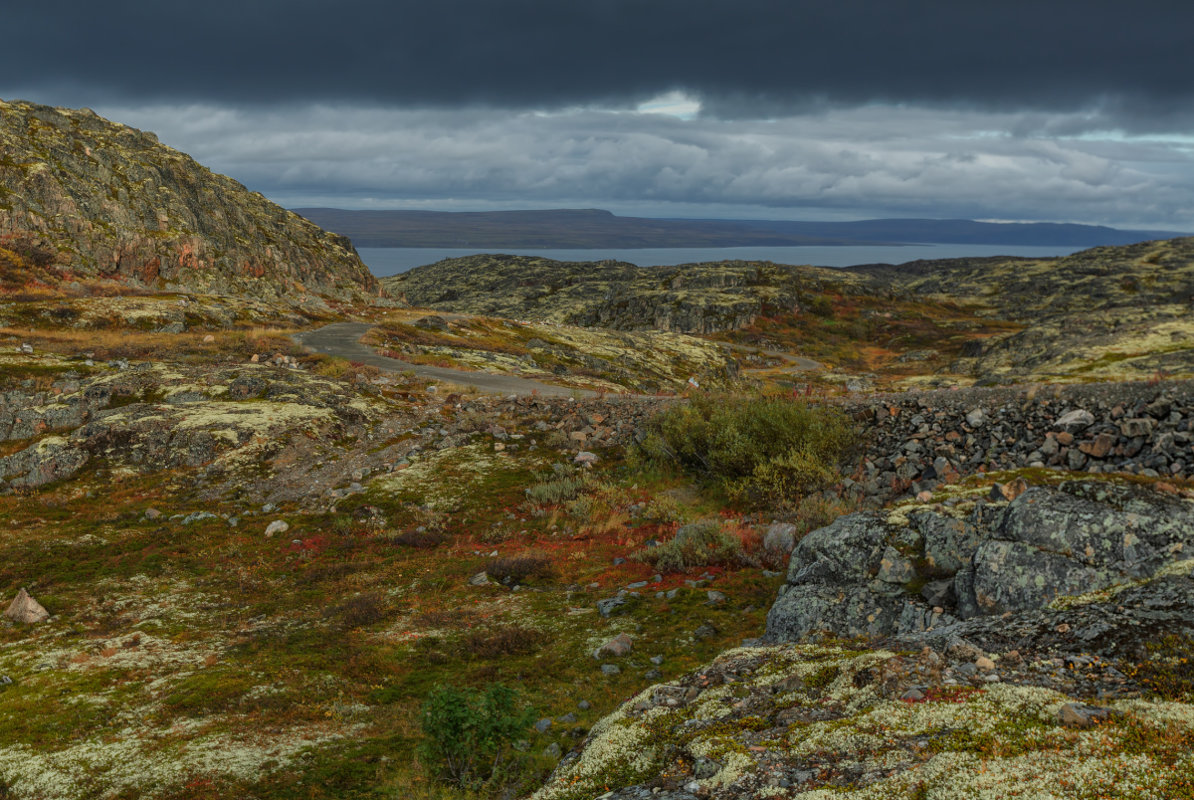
x: 231, y: 664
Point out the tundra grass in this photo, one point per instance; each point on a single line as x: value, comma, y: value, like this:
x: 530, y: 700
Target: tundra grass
x: 230, y: 664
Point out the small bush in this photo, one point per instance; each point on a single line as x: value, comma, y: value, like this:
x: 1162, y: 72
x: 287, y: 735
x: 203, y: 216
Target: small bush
x: 700, y: 544
x: 467, y: 735
x: 424, y: 539
x: 362, y: 610
x: 556, y: 491
x: 520, y: 568
x: 1168, y: 673
x: 512, y: 640
x: 761, y: 450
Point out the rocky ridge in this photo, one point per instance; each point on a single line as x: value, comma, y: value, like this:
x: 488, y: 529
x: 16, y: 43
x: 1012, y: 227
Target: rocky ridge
x: 689, y: 298
x: 110, y: 202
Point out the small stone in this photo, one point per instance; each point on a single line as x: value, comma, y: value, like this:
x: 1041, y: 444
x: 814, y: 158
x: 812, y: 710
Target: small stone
x: 653, y: 675
x: 656, y: 660
x: 584, y: 705
x: 585, y: 458
x: 1100, y: 447
x: 552, y: 751
x: 715, y: 597
x: 543, y: 725
x: 913, y: 695
x: 208, y: 339
x: 610, y: 669
x: 975, y: 418
x: 924, y: 497
x: 566, y: 719
x: 24, y: 609
x: 480, y: 579
x: 152, y: 513
x: 618, y: 646
x: 610, y: 605
x: 277, y: 526
x: 984, y: 663
x: 1080, y: 715
x: 1075, y: 420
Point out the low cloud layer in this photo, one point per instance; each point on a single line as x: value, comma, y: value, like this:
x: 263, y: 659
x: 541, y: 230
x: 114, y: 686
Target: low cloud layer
x: 1019, y: 109
x: 847, y: 163
x: 742, y: 58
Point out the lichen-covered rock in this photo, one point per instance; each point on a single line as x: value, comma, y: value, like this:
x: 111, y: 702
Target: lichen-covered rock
x: 111, y: 202
x: 824, y: 721
x: 867, y: 573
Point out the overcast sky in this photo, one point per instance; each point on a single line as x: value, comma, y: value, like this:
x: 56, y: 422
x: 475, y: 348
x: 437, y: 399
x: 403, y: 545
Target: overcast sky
x: 1061, y: 110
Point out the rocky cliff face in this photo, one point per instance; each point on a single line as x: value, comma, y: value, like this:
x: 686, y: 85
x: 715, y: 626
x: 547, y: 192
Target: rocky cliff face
x: 111, y: 202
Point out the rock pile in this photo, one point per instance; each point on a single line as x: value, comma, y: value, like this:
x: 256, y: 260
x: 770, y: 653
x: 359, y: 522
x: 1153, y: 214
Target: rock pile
x: 915, y: 441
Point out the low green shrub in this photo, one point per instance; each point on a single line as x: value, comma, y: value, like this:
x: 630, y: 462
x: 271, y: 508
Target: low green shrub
x: 1168, y: 671
x: 521, y: 567
x: 468, y: 733
x: 556, y: 490
x: 699, y: 544
x: 759, y: 449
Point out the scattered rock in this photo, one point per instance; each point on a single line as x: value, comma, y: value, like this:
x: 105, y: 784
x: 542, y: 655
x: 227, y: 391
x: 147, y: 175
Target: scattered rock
x: 277, y: 526
x: 616, y: 647
x: 480, y: 579
x: 25, y: 610
x: 1080, y: 715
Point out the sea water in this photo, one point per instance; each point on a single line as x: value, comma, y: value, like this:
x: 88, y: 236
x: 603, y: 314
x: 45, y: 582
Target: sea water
x: 383, y: 261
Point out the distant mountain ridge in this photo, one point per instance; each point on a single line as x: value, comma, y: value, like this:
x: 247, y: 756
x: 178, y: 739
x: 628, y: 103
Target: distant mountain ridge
x: 594, y: 228
x: 109, y: 202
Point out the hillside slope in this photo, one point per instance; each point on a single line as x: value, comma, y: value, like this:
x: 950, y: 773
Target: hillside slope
x: 107, y: 201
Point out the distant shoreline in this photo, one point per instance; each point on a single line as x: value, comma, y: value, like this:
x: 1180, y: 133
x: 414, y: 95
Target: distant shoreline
x: 386, y: 261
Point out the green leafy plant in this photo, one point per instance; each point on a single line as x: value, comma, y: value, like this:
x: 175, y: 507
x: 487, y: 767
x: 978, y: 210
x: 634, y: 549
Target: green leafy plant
x: 468, y: 734
x: 699, y: 544
x: 759, y: 449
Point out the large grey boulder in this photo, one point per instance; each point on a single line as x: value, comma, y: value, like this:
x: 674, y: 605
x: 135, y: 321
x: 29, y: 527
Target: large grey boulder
x: 874, y: 574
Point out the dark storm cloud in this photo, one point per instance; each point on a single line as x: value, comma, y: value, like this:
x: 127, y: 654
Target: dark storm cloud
x: 743, y: 58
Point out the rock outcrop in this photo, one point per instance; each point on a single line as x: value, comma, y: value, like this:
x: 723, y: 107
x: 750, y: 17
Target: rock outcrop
x: 904, y: 572
x: 689, y: 298
x: 107, y: 201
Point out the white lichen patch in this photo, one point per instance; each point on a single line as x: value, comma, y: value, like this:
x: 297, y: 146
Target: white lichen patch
x: 106, y: 767
x: 443, y: 479
x: 618, y: 746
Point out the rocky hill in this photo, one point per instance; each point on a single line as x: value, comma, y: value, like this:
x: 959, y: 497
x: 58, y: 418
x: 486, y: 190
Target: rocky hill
x: 1109, y: 313
x: 1104, y: 313
x: 83, y: 198
x: 689, y: 298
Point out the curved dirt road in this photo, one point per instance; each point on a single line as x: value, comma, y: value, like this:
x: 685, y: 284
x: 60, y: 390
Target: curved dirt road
x: 343, y: 339
x: 796, y: 363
